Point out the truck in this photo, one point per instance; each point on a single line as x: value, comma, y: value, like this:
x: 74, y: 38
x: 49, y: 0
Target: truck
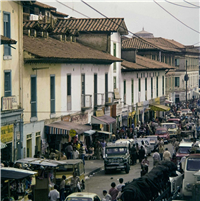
x: 117, y: 157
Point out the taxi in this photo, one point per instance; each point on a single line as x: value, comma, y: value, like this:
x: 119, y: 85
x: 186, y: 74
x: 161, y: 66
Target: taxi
x: 83, y: 196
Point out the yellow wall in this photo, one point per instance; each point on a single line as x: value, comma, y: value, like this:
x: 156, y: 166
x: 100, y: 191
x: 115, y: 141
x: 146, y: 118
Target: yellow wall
x: 15, y: 64
x: 43, y: 90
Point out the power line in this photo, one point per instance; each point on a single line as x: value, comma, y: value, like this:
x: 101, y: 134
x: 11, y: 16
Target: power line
x: 72, y: 9
x: 177, y: 18
x: 192, y: 4
x: 179, y: 4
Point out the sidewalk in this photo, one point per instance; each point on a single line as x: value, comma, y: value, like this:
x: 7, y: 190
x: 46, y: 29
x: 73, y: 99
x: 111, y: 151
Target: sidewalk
x: 92, y: 166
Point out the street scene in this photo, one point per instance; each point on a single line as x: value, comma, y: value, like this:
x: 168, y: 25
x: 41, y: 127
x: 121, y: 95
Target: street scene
x: 96, y: 108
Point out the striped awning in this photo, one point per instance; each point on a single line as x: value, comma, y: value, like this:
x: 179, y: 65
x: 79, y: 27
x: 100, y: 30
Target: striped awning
x: 63, y: 128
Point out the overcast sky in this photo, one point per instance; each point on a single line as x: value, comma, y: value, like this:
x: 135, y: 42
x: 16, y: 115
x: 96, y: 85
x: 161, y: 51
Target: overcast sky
x: 147, y: 14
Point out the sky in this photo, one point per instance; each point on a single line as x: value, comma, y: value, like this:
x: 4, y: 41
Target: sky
x: 139, y: 14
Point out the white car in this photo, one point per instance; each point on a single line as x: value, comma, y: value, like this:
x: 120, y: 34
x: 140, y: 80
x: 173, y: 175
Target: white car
x: 147, y: 146
x: 176, y: 182
x: 83, y: 196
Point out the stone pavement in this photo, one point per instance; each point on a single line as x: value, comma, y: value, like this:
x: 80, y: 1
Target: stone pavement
x: 92, y: 166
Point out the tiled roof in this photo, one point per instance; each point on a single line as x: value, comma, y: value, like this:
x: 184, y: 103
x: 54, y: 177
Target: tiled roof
x: 56, y: 13
x: 42, y: 5
x: 143, y: 63
x: 91, y: 25
x: 70, y: 51
x: 151, y: 43
x: 6, y: 40
x: 35, y: 24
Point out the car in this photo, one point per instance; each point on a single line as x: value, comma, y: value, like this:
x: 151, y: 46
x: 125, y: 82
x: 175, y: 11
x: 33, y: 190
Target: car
x: 153, y: 141
x: 190, y: 166
x: 177, y: 121
x: 147, y: 146
x: 176, y: 182
x: 186, y: 111
x: 117, y: 157
x: 130, y: 142
x: 83, y: 196
x: 183, y: 150
x: 163, y: 133
x: 172, y: 129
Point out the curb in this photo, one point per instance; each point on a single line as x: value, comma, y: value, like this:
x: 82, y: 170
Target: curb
x: 94, y: 171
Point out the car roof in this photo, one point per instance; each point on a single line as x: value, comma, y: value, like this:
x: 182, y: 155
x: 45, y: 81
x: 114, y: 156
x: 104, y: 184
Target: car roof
x: 194, y: 156
x: 171, y: 123
x: 185, y: 144
x: 82, y: 194
x: 161, y: 128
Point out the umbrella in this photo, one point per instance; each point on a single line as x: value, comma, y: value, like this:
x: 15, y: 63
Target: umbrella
x: 2, y: 145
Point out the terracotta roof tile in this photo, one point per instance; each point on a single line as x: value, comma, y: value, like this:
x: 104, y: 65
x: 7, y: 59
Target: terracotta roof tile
x: 42, y: 5
x: 143, y: 63
x: 6, y: 40
x: 56, y: 13
x: 37, y: 25
x: 92, y: 24
x: 52, y: 48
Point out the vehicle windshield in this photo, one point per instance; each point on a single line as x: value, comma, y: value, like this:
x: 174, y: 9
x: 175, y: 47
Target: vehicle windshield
x: 171, y: 126
x: 79, y: 199
x: 160, y: 132
x: 65, y: 168
x: 184, y: 150
x: 193, y: 164
x: 116, y: 150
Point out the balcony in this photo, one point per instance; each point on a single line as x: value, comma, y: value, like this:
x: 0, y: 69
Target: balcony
x: 109, y: 98
x: 86, y: 102
x: 98, y: 100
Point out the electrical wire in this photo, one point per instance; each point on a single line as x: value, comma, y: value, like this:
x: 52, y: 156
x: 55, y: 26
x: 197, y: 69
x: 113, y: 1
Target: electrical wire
x: 178, y: 4
x: 73, y: 9
x: 191, y: 4
x: 177, y: 18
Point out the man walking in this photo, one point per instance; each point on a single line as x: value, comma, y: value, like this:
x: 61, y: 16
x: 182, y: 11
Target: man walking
x: 113, y: 191
x: 167, y: 155
x: 62, y: 188
x: 141, y: 154
x: 133, y: 155
x: 54, y: 195
x: 107, y: 197
x: 156, y: 158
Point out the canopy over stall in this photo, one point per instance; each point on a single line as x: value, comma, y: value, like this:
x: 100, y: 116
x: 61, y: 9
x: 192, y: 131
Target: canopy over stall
x: 89, y: 133
x: 158, y: 107
x: 102, y: 120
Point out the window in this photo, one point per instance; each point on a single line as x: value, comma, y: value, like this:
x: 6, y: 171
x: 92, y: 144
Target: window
x: 33, y: 96
x: 151, y: 87
x: 95, y: 90
x: 163, y: 85
x: 106, y: 87
x: 177, y: 82
x: 145, y: 84
x: 114, y: 54
x: 7, y: 84
x: 162, y: 58
x: 114, y: 82
x: 176, y: 62
x: 69, y: 92
x: 7, y: 32
x: 132, y: 91
x: 139, y: 85
x: 124, y: 91
x: 157, y: 86
x: 52, y: 93
x: 83, y: 84
x: 154, y: 57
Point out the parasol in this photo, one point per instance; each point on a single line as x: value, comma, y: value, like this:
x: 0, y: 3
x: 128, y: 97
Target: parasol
x: 2, y: 145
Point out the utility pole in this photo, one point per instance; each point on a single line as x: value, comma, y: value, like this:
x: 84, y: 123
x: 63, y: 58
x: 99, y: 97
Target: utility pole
x: 186, y: 79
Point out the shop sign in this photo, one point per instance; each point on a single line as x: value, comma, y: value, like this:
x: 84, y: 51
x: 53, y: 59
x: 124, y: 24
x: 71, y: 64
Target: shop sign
x: 119, y: 109
x: 116, y: 92
x: 9, y: 103
x: 99, y: 113
x: 7, y: 133
x: 72, y: 133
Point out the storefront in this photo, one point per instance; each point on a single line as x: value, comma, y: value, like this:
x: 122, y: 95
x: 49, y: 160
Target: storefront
x: 61, y: 132
x: 11, y: 129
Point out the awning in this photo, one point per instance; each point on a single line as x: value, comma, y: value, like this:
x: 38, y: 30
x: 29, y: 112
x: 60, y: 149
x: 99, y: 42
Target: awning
x: 63, y: 128
x: 159, y: 108
x: 15, y: 173
x: 102, y: 120
x: 89, y: 133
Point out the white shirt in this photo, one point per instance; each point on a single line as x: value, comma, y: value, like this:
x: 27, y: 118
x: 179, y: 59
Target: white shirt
x: 54, y: 195
x: 107, y: 197
x: 119, y: 187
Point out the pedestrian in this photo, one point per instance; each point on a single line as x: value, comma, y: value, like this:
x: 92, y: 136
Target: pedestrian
x: 156, y: 158
x: 69, y: 150
x: 113, y: 191
x: 133, y: 155
x: 119, y: 186
x: 82, y: 153
x: 103, y: 145
x: 54, y: 195
x: 62, y: 188
x: 141, y: 154
x: 75, y: 182
x: 120, y: 193
x: 161, y: 151
x: 167, y: 155
x: 137, y: 151
x: 77, y: 145
x: 107, y: 197
x: 144, y: 166
x: 176, y: 145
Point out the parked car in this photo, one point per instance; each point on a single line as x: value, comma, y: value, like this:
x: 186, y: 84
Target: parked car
x: 153, y: 141
x: 176, y: 182
x: 83, y: 196
x: 172, y: 129
x: 189, y: 166
x: 186, y: 111
x: 117, y: 157
x: 130, y: 142
x: 147, y: 146
x: 163, y: 133
x: 177, y: 121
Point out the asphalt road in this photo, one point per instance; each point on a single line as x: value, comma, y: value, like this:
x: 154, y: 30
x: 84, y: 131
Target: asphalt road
x: 101, y: 181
